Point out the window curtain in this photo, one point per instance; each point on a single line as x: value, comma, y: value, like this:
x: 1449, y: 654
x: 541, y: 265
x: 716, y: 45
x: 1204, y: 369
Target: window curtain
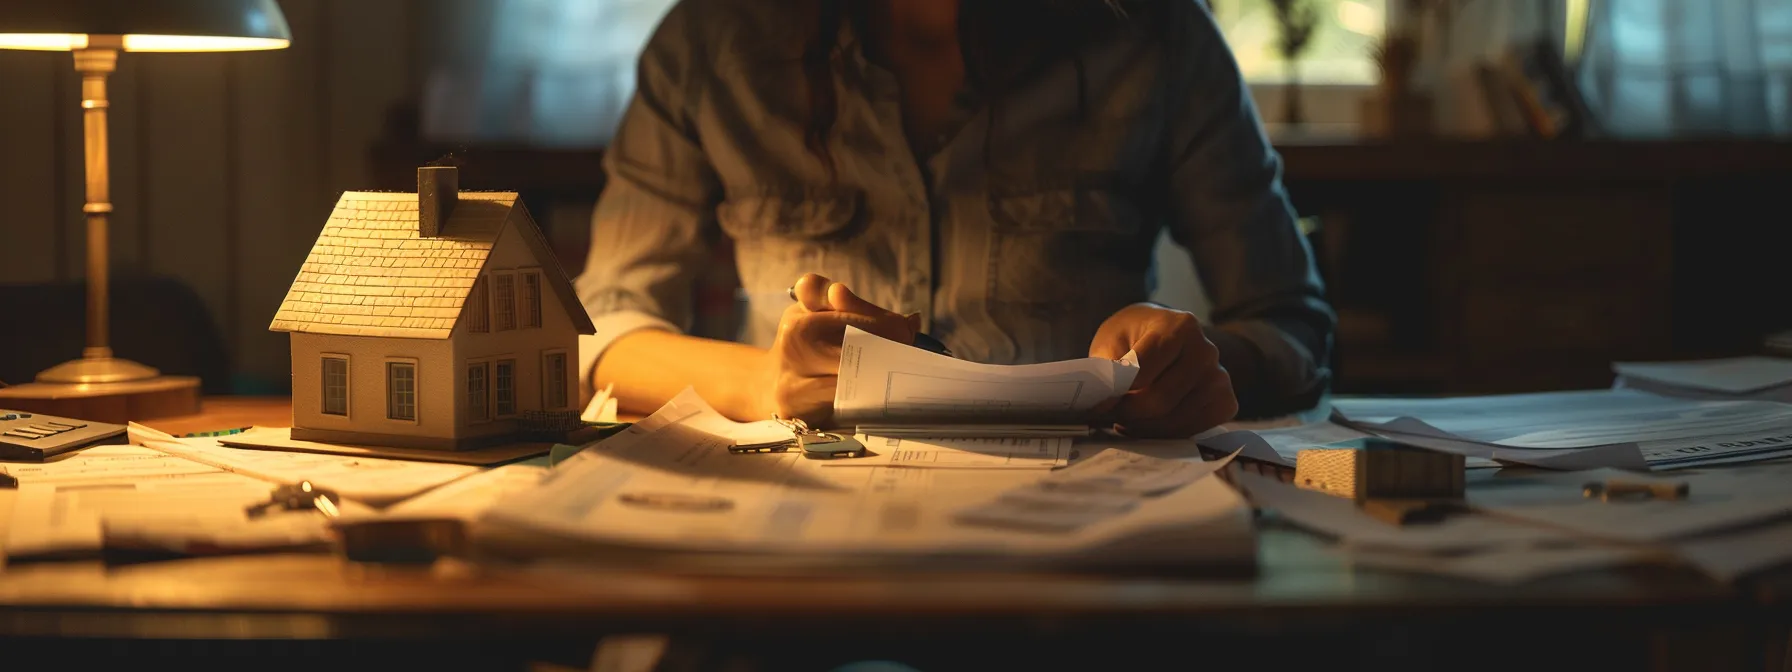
x: 1655, y: 68
x: 540, y: 72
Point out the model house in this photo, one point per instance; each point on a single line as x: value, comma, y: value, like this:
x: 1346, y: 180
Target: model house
x: 439, y: 319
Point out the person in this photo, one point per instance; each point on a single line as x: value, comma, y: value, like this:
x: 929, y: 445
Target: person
x: 994, y: 173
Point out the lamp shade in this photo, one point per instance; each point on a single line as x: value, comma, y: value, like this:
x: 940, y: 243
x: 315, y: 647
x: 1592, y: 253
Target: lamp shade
x: 143, y: 25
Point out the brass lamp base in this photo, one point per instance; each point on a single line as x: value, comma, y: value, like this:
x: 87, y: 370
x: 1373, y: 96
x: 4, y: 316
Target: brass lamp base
x: 89, y: 370
x: 117, y: 403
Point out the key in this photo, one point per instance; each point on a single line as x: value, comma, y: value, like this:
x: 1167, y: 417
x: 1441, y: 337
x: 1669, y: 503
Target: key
x: 298, y: 497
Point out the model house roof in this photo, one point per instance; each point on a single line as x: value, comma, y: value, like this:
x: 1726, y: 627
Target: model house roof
x: 372, y: 274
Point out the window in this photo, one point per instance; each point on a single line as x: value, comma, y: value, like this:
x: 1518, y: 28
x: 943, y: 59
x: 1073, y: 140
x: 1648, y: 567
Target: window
x: 531, y: 301
x: 505, y: 387
x: 504, y: 300
x: 335, y: 385
x: 553, y: 377
x: 478, y: 401
x: 401, y: 391
x: 479, y: 307
x: 1339, y: 53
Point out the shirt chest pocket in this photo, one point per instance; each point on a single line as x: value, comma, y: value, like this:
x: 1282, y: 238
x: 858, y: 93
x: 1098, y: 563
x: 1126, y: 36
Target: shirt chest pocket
x: 1058, y: 252
x: 817, y: 216
x: 1070, y: 210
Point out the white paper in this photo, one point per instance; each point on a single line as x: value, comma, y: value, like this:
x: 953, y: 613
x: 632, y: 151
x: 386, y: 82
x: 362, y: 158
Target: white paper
x: 105, y: 462
x: 885, y: 382
x: 669, y: 487
x: 464, y: 499
x: 1129, y: 473
x: 1732, y: 555
x: 602, y: 407
x: 1664, y: 431
x: 1735, y: 375
x: 1504, y: 565
x: 1339, y: 517
x: 72, y: 516
x: 960, y: 453
x: 372, y: 481
x: 974, y: 431
x: 1714, y: 502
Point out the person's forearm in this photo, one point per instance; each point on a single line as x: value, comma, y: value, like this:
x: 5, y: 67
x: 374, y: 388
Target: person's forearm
x: 649, y: 367
x: 1265, y: 384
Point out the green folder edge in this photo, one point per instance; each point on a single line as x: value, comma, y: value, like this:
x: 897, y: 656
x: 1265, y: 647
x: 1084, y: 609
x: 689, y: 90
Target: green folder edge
x: 560, y: 451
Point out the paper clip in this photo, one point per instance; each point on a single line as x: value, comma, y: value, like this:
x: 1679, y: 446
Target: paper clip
x: 1614, y: 489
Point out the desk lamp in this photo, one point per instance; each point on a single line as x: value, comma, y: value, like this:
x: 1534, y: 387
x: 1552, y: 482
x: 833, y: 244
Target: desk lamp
x: 96, y: 30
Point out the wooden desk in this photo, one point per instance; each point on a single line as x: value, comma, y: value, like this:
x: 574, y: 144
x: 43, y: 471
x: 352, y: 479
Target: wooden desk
x: 453, y: 613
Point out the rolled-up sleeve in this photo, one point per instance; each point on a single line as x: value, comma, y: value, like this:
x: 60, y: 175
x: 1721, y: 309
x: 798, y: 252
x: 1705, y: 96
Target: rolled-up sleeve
x: 655, y: 220
x: 1227, y: 206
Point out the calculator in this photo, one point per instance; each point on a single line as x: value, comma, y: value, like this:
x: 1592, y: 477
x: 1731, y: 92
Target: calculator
x: 31, y: 437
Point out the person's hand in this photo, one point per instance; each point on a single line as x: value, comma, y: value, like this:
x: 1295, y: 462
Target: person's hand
x: 1181, y: 389
x: 803, y: 364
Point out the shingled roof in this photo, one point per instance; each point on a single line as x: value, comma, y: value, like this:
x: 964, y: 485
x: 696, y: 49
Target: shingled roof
x: 370, y: 274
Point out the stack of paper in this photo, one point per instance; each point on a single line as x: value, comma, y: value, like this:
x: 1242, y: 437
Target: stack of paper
x: 666, y: 492
x: 131, y: 497
x: 1625, y: 429
x: 373, y: 481
x: 888, y: 384
x: 1755, y: 378
x: 1473, y: 546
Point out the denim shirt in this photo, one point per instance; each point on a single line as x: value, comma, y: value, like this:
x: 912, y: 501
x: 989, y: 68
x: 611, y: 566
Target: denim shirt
x: 1015, y: 237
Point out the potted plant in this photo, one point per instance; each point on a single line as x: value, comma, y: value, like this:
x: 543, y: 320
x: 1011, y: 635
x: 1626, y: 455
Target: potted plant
x: 1295, y: 22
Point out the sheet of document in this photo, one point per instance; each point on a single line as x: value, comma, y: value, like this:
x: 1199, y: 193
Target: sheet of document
x: 602, y: 407
x: 1340, y: 518
x: 670, y: 487
x: 1282, y: 445
x: 1666, y: 433
x: 885, y: 382
x: 1728, y: 556
x: 1733, y: 376
x: 960, y: 453
x: 280, y: 439
x: 1131, y: 473
x: 372, y: 481
x: 1715, y: 502
x: 132, y: 497
x: 464, y: 499
x: 1507, y: 566
x: 105, y: 462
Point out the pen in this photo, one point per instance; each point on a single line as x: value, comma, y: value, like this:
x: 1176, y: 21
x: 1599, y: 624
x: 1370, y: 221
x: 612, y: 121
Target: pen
x: 220, y: 432
x: 1619, y: 489
x: 922, y: 340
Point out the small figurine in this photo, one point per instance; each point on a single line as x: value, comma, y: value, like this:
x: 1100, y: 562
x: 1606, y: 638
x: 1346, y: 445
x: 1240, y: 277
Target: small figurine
x: 437, y: 320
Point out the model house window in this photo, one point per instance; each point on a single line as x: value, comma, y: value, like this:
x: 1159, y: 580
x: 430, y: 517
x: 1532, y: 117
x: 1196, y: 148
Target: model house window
x: 477, y: 399
x: 553, y: 376
x: 335, y: 386
x: 479, y: 310
x: 401, y: 391
x: 531, y: 299
x: 505, y: 386
x: 504, y: 301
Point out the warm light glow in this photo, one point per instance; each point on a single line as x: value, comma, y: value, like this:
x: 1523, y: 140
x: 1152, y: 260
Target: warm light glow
x: 1359, y: 18
x: 69, y: 42
x: 1576, y: 31
x: 43, y: 41
x: 200, y: 43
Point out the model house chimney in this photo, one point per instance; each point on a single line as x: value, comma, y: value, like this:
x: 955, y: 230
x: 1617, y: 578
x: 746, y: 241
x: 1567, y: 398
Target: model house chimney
x: 438, y: 189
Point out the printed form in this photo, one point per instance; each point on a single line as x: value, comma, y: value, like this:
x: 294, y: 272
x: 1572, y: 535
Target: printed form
x: 885, y: 382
